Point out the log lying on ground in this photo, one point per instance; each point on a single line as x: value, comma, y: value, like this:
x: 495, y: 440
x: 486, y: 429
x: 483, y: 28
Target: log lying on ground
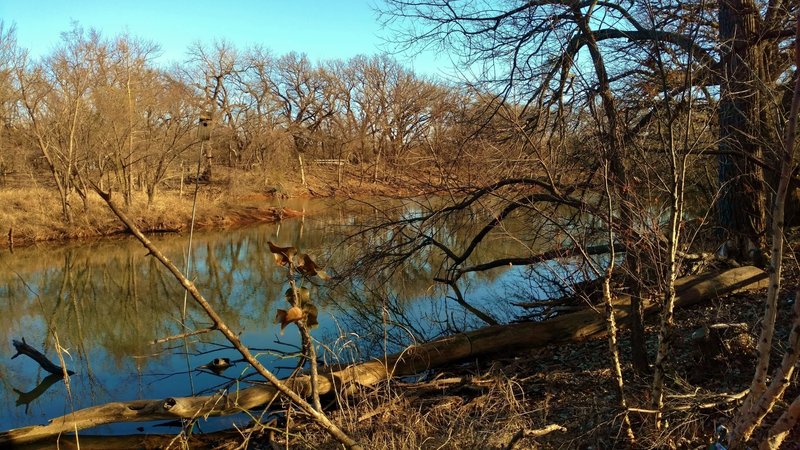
x: 197, y: 441
x: 493, y: 340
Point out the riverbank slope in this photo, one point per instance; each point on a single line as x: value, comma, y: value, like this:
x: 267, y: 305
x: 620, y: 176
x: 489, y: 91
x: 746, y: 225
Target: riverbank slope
x: 32, y: 213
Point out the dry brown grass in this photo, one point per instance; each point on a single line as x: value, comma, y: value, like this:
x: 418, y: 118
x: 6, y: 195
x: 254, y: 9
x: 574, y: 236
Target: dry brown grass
x: 34, y: 214
x: 466, y: 411
x: 32, y: 209
x: 31, y: 212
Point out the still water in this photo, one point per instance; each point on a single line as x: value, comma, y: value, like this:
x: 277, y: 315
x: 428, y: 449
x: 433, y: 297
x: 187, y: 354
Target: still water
x: 107, y: 302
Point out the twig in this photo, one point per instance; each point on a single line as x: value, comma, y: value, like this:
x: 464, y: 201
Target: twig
x: 183, y: 335
x: 386, y: 407
x: 726, y: 398
x: 308, y: 349
x: 719, y: 326
x: 544, y: 303
x: 533, y: 434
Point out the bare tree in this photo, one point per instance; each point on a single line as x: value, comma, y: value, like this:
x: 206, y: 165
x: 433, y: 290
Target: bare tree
x: 303, y: 92
x: 55, y: 97
x: 124, y: 88
x: 168, y: 128
x: 11, y: 56
x: 216, y: 73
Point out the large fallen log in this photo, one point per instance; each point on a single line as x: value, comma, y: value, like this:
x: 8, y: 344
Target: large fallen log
x: 196, y: 441
x: 493, y: 340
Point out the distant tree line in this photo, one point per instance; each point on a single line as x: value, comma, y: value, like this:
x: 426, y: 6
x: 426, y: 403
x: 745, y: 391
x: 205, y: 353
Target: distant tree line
x: 100, y: 110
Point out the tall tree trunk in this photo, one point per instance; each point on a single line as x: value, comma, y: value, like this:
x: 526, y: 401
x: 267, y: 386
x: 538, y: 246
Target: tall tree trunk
x: 615, y: 155
x: 743, y: 203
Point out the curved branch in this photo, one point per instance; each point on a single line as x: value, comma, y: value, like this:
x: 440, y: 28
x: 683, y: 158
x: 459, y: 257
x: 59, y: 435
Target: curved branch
x: 523, y: 201
x: 541, y: 257
x: 232, y: 337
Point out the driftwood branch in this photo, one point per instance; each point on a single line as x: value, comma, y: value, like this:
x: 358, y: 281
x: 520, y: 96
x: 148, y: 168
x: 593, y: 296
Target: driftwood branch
x: 24, y: 349
x: 512, y: 444
x: 183, y: 335
x: 488, y: 341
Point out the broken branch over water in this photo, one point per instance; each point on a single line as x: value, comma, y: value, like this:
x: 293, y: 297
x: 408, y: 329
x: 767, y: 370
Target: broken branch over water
x: 24, y: 349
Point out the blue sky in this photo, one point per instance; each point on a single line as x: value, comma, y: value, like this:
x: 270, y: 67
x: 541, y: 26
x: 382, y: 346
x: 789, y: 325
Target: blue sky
x: 321, y: 29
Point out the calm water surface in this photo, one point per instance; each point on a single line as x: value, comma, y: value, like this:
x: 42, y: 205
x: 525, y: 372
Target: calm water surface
x: 107, y: 302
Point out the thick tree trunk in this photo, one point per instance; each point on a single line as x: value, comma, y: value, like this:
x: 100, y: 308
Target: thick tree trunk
x: 743, y: 203
x: 489, y: 341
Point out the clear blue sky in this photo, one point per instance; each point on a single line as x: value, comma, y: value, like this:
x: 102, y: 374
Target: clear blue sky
x: 321, y: 29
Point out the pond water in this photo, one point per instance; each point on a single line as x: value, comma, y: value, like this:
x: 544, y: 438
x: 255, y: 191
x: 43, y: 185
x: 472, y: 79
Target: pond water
x: 107, y: 302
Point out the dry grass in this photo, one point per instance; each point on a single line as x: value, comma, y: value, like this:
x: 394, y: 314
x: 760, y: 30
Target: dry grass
x: 34, y: 214
x: 462, y: 412
x: 32, y: 210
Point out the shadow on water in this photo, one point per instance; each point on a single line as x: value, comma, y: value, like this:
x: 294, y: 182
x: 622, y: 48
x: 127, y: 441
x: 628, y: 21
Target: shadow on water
x: 107, y: 301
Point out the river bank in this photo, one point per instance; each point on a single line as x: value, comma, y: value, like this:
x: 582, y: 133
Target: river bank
x: 31, y: 214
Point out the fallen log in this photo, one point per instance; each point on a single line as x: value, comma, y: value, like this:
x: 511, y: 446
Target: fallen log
x: 492, y: 340
x: 197, y: 441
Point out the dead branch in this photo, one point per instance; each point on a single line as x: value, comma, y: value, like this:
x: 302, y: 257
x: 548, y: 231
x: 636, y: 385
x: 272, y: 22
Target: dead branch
x: 183, y: 335
x: 232, y: 337
x: 24, y: 349
x: 714, y: 402
x: 533, y: 434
